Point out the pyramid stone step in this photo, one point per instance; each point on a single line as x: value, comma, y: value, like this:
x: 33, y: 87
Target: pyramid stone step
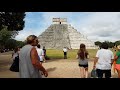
x: 61, y: 34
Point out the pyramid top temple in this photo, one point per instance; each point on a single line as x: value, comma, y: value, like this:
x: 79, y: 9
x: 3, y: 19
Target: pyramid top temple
x: 59, y: 20
x: 61, y: 34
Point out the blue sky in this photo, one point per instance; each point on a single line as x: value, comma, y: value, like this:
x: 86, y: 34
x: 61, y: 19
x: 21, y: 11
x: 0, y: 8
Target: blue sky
x: 96, y: 26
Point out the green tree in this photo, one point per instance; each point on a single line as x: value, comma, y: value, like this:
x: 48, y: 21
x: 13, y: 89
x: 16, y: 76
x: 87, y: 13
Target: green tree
x: 10, y: 24
x: 98, y: 43
x: 13, y: 20
x: 117, y: 43
x: 111, y: 44
x: 20, y: 43
x: 10, y: 44
x: 5, y: 35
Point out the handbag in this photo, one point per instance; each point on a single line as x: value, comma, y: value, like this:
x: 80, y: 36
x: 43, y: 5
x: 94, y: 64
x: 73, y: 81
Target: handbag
x: 93, y: 73
x: 15, y: 65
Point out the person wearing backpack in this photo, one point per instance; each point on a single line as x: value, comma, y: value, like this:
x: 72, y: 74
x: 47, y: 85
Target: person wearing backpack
x: 15, y: 56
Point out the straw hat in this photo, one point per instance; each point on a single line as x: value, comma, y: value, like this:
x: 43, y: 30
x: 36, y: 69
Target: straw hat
x: 118, y: 47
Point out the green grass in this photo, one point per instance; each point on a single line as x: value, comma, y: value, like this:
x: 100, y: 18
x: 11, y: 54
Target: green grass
x: 92, y: 52
x: 58, y: 54
x: 54, y: 54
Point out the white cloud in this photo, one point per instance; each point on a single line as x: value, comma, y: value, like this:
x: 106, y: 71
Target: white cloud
x: 102, y: 26
x: 25, y: 33
x: 46, y: 22
x: 97, y: 26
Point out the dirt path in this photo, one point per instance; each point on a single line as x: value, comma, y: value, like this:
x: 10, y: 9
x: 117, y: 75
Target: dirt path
x: 66, y: 69
x: 62, y: 68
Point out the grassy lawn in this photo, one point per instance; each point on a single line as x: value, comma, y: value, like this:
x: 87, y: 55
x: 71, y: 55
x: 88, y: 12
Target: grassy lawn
x: 58, y: 54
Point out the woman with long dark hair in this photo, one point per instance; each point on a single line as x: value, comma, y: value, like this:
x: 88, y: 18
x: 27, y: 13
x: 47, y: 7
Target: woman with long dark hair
x: 83, y: 61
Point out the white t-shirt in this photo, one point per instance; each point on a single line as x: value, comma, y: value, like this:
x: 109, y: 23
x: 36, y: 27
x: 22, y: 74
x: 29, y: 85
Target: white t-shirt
x: 40, y: 53
x: 65, y: 49
x: 15, y: 55
x: 104, y: 59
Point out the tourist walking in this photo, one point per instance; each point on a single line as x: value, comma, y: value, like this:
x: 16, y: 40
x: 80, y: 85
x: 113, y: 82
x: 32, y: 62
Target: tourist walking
x: 40, y: 53
x: 15, y: 57
x: 117, y: 61
x: 15, y: 53
x: 29, y: 64
x: 114, y: 62
x: 45, y: 56
x: 82, y: 56
x: 65, y: 52
x: 103, y: 61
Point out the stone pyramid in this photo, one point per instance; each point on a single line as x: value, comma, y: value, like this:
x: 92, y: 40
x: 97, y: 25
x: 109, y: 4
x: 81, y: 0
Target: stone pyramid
x: 61, y: 34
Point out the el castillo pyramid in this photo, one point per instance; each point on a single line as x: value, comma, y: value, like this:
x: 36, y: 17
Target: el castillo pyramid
x: 61, y: 34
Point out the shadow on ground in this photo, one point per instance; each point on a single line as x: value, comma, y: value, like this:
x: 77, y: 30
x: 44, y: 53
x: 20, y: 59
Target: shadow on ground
x: 51, y: 69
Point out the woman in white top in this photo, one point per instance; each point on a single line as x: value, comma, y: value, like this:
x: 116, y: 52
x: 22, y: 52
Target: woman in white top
x: 15, y: 53
x: 40, y: 53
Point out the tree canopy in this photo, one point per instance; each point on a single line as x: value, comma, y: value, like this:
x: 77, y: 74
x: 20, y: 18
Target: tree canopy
x: 110, y: 44
x: 10, y: 24
x: 13, y: 20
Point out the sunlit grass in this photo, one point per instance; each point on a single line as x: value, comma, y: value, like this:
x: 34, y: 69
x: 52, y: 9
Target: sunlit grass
x: 58, y: 54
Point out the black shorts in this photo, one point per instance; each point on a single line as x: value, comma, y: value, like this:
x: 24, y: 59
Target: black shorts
x: 65, y: 53
x: 83, y: 65
x: 101, y: 72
